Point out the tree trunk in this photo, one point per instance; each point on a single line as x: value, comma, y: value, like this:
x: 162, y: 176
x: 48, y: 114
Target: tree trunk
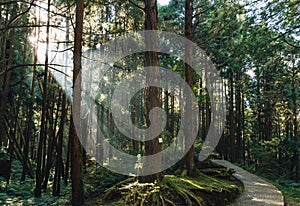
x: 77, y: 185
x: 69, y: 149
x: 295, y: 123
x: 231, y: 119
x: 38, y: 186
x: 59, y: 145
x: 28, y: 132
x: 189, y: 157
x: 238, y: 148
x: 153, y: 94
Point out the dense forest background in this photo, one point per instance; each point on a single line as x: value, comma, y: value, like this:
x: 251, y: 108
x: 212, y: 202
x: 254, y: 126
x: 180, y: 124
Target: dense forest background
x: 253, y: 44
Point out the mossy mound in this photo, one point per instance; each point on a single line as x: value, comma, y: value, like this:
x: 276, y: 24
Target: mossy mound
x: 175, y: 190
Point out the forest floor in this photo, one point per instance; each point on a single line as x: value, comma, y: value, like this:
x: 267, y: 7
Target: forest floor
x: 257, y: 192
x: 211, y: 184
x: 211, y: 177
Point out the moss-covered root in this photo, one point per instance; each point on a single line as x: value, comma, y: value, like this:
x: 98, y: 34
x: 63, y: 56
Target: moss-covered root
x: 181, y: 189
x: 202, y: 190
x: 113, y: 193
x: 173, y: 190
x: 131, y: 192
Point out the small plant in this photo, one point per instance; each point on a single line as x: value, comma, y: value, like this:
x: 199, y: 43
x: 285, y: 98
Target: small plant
x: 138, y: 164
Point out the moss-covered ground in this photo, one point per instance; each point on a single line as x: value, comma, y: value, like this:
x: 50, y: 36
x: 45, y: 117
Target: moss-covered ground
x: 210, y: 185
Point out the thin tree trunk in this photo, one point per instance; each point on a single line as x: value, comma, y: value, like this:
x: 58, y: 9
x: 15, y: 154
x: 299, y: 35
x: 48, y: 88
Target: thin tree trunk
x: 59, y: 145
x: 295, y: 124
x: 231, y: 119
x: 238, y: 148
x: 38, y: 186
x: 5, y: 80
x: 6, y: 90
x: 28, y: 132
x: 69, y: 149
x: 52, y: 142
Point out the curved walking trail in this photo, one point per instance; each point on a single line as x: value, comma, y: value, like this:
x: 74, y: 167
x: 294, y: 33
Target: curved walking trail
x: 257, y: 191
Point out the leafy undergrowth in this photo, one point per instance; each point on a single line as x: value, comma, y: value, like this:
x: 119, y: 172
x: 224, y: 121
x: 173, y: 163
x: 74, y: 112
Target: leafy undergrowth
x: 213, y: 188
x: 96, y: 180
x: 16, y: 193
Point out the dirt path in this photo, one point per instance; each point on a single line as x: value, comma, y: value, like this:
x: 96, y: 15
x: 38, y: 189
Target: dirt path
x: 257, y: 192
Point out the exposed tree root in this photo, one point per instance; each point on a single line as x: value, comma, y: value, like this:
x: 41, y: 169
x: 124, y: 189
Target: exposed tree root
x: 173, y: 190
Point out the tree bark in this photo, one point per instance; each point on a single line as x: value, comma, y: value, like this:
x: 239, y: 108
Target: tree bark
x: 59, y: 145
x: 77, y: 185
x: 38, y: 186
x: 153, y: 94
x: 30, y: 110
x: 189, y: 157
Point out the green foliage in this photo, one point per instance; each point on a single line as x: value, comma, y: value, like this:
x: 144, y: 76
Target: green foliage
x: 16, y: 193
x: 171, y: 17
x: 97, y: 179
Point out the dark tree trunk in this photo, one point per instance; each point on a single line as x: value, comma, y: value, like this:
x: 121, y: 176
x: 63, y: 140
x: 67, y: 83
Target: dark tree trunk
x: 238, y: 121
x: 153, y: 94
x: 295, y: 124
x: 59, y: 162
x: 28, y: 132
x: 231, y: 120
x: 77, y: 185
x: 69, y: 149
x: 189, y: 157
x: 38, y: 186
x: 52, y: 138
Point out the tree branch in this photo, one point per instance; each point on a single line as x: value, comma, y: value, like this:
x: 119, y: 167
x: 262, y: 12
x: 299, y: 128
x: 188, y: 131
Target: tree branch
x: 289, y: 43
x: 136, y: 5
x: 15, y: 18
x: 25, y: 26
x: 31, y: 65
x: 202, y: 12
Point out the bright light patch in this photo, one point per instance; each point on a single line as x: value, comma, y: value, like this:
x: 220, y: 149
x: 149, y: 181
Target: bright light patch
x: 163, y: 2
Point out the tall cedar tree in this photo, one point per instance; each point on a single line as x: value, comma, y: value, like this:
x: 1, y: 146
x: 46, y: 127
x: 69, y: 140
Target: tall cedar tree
x: 77, y: 186
x: 153, y: 93
x: 189, y: 157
